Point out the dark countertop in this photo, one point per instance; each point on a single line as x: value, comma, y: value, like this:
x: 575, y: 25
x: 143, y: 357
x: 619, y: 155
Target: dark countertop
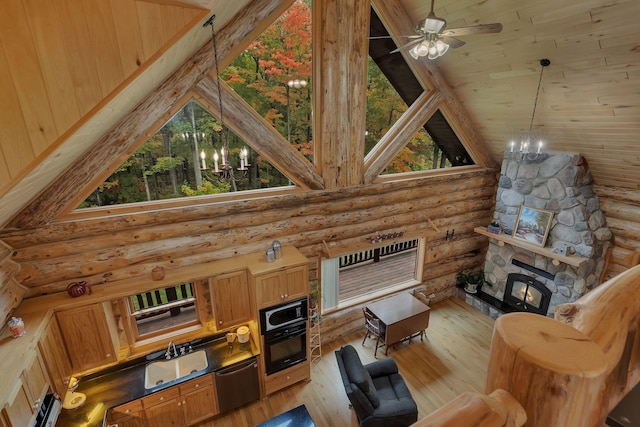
x: 125, y: 382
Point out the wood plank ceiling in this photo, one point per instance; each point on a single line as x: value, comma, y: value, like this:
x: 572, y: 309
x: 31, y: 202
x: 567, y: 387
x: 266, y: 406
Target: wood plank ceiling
x: 59, y: 97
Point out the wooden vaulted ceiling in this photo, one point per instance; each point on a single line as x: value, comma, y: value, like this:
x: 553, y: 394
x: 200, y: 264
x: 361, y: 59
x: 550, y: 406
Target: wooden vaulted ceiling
x: 76, y: 78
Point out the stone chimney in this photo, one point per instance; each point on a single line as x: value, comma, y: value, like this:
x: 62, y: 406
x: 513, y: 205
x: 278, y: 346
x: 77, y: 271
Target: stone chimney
x: 561, y: 183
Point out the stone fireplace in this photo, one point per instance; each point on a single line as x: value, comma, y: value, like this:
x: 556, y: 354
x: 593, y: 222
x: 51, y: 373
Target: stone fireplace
x: 561, y: 183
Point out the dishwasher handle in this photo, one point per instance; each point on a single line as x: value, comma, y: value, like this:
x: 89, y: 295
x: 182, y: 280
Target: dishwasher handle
x: 230, y: 370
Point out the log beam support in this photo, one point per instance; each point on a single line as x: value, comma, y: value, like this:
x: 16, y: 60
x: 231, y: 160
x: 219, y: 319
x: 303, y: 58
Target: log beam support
x: 553, y: 370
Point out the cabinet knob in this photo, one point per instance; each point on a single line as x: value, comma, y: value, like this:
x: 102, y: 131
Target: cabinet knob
x: 184, y: 402
x: 197, y: 385
x: 108, y: 354
x: 220, y: 322
x: 286, y: 295
x: 127, y: 411
x: 162, y: 398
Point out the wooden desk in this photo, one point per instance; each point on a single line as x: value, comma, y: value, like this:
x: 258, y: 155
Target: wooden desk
x: 403, y: 315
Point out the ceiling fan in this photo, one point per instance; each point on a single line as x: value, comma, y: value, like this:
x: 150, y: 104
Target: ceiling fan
x: 433, y: 40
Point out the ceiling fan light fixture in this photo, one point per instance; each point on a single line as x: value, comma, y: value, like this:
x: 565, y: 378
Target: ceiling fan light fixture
x: 441, y: 47
x: 433, y: 24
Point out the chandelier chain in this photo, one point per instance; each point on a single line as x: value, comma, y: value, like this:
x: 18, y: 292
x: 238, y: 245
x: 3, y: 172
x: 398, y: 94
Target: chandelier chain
x: 543, y: 63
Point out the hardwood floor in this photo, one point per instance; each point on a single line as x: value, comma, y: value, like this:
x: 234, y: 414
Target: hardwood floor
x: 452, y: 359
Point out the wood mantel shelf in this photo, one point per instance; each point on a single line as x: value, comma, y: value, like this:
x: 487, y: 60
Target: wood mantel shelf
x: 502, y: 238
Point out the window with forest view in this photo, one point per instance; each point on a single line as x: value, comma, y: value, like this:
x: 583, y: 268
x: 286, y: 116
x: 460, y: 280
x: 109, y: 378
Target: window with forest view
x: 178, y: 161
x: 273, y: 76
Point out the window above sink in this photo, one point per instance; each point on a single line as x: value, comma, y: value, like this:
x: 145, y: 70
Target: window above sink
x: 161, y: 311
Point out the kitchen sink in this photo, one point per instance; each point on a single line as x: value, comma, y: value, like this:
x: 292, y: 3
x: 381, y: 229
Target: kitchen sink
x: 164, y: 371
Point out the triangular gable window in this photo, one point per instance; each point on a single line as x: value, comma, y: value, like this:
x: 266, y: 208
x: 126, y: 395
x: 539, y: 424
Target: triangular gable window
x: 273, y: 76
x: 171, y: 164
x: 435, y: 145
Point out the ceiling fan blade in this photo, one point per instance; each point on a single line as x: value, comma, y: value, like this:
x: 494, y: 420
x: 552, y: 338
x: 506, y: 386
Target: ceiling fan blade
x: 473, y: 29
x: 408, y: 45
x: 453, y: 43
x: 414, y: 36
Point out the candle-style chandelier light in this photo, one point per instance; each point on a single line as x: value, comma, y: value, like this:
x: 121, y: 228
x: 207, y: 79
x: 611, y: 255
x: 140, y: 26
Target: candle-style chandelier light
x: 222, y: 168
x: 526, y: 151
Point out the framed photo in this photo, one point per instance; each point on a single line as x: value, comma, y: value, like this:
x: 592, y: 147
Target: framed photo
x: 533, y: 225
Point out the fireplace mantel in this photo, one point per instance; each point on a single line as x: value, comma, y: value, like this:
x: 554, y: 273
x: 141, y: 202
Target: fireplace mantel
x: 573, y: 260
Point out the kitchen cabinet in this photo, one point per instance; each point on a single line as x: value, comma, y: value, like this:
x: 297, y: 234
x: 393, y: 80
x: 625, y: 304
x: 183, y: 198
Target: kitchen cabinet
x: 32, y: 388
x: 129, y: 414
x: 231, y: 299
x: 183, y: 405
x: 55, y: 357
x: 87, y: 336
x: 287, y: 377
x: 164, y: 408
x: 285, y: 284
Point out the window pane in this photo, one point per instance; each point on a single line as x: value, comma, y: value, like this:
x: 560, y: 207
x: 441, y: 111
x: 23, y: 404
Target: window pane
x: 163, y: 309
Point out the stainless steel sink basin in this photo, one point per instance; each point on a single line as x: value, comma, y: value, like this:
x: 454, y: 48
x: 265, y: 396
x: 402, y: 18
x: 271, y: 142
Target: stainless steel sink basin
x: 164, y: 371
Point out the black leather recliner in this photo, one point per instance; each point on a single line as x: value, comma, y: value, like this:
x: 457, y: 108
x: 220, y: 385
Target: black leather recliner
x: 377, y: 392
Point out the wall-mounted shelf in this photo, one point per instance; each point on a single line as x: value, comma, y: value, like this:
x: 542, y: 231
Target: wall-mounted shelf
x: 573, y: 260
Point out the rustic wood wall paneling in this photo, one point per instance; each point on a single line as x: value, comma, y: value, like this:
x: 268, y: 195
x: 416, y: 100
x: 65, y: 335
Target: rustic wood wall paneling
x: 620, y: 207
x: 121, y: 136
x: 220, y: 233
x: 340, y: 71
x: 11, y: 292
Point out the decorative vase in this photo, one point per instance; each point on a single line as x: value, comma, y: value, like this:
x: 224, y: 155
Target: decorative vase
x: 471, y: 288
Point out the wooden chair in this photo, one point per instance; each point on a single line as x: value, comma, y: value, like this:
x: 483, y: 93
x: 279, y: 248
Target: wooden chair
x: 373, y: 329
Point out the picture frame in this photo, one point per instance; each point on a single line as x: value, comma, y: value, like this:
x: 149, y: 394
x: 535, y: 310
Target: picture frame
x: 532, y: 225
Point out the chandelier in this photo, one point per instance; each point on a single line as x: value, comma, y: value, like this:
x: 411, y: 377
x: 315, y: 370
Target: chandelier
x: 222, y: 168
x: 526, y: 151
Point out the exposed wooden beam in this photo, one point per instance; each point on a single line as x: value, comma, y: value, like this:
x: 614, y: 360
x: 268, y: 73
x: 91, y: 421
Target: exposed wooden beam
x: 340, y: 59
x: 393, y: 141
x: 258, y: 132
x: 241, y: 30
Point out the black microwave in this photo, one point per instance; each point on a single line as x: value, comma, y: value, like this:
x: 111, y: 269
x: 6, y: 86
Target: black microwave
x: 283, y: 315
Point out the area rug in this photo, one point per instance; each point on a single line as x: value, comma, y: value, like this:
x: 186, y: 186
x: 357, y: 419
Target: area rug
x: 297, y: 417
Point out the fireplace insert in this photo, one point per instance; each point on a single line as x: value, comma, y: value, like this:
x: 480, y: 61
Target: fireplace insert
x: 525, y: 293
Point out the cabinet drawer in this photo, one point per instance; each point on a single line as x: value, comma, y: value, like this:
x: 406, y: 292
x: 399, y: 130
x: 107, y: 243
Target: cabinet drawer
x: 160, y: 397
x: 196, y: 384
x: 282, y: 379
x: 124, y: 410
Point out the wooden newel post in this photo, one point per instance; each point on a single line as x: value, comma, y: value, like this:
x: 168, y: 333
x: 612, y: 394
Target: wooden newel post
x: 552, y: 369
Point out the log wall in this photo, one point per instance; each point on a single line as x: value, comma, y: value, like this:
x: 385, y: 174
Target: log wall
x: 621, y: 207
x: 105, y: 250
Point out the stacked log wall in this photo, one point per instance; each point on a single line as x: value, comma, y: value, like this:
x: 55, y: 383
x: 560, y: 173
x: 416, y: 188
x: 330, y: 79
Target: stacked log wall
x: 11, y: 293
x: 103, y: 250
x: 621, y: 207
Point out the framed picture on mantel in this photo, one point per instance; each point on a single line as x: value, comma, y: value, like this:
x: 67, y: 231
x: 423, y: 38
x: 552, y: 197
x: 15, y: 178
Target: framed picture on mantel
x: 533, y: 225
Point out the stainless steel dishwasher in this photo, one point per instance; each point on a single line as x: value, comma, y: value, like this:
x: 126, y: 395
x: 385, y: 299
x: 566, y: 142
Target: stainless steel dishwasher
x: 237, y: 385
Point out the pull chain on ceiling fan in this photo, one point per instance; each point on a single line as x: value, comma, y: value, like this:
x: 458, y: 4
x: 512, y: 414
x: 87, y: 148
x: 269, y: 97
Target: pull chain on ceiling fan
x: 433, y: 40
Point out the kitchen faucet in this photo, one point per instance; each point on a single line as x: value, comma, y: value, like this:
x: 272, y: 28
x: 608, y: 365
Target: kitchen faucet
x: 168, y: 353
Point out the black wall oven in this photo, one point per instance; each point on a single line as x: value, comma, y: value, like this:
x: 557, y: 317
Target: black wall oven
x: 284, y: 330
x: 285, y: 347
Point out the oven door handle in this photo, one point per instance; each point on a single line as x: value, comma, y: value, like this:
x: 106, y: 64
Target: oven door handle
x: 285, y: 337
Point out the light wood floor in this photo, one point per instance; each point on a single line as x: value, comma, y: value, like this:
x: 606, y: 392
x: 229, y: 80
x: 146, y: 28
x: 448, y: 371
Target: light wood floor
x: 452, y: 359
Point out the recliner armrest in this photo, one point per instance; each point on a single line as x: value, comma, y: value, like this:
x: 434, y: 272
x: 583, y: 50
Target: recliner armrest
x: 381, y: 368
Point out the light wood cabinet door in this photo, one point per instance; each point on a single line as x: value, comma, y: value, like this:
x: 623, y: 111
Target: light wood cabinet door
x: 231, y: 299
x: 19, y: 412
x: 127, y: 415
x: 86, y: 336
x: 164, y: 409
x: 37, y: 381
x: 297, y: 282
x: 199, y: 400
x: 270, y: 289
x: 56, y: 359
